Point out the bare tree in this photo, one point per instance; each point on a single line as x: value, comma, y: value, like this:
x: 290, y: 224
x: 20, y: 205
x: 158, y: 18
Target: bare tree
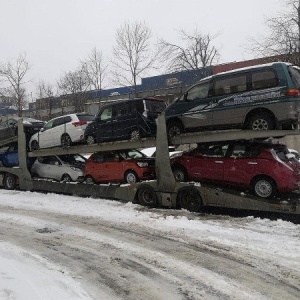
x: 197, y: 51
x: 132, y: 55
x: 45, y: 90
x: 283, y: 34
x: 95, y: 68
x: 75, y: 83
x: 13, y: 82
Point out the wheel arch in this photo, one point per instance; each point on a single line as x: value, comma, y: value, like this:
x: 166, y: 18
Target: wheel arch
x: 175, y: 119
x: 260, y: 110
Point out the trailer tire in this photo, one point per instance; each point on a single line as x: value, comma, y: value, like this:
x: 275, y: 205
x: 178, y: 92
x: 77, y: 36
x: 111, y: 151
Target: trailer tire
x: 264, y: 187
x: 190, y: 199
x: 10, y: 181
x: 147, y: 197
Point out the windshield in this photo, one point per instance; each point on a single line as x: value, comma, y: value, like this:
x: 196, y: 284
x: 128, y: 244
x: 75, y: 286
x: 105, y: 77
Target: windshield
x: 131, y: 154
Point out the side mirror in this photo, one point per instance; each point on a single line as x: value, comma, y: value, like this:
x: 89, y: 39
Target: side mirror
x: 42, y: 129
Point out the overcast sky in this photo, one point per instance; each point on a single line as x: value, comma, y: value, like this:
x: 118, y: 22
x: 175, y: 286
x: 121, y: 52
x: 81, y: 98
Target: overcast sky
x: 57, y: 34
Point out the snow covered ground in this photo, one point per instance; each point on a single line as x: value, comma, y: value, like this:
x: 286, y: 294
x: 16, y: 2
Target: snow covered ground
x: 62, y: 247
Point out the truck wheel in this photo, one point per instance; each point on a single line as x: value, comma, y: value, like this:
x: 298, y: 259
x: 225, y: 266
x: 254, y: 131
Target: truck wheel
x: 189, y: 198
x: 264, y: 187
x: 147, y: 196
x: 90, y: 140
x: 66, y: 140
x: 89, y: 180
x: 174, y: 128
x: 180, y: 174
x: 261, y: 121
x: 131, y: 177
x: 10, y: 181
x: 35, y: 145
x: 135, y: 134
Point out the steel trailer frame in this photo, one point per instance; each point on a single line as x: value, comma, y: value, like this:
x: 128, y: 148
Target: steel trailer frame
x: 162, y: 192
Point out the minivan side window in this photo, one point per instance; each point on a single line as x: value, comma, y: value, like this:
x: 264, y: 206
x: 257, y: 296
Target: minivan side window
x: 199, y: 91
x: 121, y: 110
x: 230, y: 85
x: 264, y: 79
x: 106, y: 114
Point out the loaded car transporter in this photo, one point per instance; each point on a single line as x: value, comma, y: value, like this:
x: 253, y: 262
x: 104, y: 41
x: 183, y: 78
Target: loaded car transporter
x: 162, y: 192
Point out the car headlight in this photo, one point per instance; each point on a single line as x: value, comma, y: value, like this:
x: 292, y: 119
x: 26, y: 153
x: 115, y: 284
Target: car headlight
x: 142, y: 164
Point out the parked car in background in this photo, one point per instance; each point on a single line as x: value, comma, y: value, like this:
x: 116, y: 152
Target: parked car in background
x: 119, y: 166
x: 150, y: 152
x: 9, y: 156
x: 261, y: 97
x: 125, y: 119
x: 263, y: 167
x: 9, y: 127
x: 61, y: 168
x: 61, y: 131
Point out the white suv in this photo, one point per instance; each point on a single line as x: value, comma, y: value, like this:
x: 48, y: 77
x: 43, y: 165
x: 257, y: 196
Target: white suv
x: 61, y: 131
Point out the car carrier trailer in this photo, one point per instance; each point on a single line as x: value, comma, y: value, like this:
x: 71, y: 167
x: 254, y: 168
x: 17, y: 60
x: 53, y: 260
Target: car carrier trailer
x: 162, y: 192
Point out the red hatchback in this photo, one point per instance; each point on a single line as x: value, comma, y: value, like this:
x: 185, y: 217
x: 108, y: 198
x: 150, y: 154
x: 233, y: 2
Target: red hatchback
x: 119, y: 166
x: 263, y: 167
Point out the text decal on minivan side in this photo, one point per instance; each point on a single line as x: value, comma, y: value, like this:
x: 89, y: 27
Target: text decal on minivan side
x: 246, y: 98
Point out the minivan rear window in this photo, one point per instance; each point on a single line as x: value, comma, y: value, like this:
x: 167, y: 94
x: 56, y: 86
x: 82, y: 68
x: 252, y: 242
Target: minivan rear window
x: 155, y: 106
x: 87, y: 117
x: 295, y: 74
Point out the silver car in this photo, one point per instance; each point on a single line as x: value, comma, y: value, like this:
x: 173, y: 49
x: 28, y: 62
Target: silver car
x: 61, y: 168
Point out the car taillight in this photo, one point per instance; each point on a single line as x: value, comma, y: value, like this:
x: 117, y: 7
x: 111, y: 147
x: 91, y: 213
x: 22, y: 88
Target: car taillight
x: 79, y: 123
x: 292, y: 92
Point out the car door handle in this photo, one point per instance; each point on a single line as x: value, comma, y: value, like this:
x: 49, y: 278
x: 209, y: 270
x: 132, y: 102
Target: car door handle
x: 219, y: 162
x: 252, y: 163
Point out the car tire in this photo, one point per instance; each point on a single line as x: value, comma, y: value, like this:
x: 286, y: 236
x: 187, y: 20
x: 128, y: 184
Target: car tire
x: 147, y: 197
x: 135, y: 134
x: 89, y: 180
x: 66, y: 178
x: 34, y: 145
x: 131, y: 177
x: 180, y: 174
x: 10, y: 181
x: 90, y: 140
x: 174, y: 128
x: 264, y: 187
x: 261, y: 121
x: 65, y: 140
x: 190, y: 199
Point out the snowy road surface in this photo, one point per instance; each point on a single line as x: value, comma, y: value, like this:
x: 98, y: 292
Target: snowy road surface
x: 63, y: 247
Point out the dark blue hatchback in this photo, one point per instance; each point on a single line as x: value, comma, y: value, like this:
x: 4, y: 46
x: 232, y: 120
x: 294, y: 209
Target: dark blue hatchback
x: 9, y: 156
